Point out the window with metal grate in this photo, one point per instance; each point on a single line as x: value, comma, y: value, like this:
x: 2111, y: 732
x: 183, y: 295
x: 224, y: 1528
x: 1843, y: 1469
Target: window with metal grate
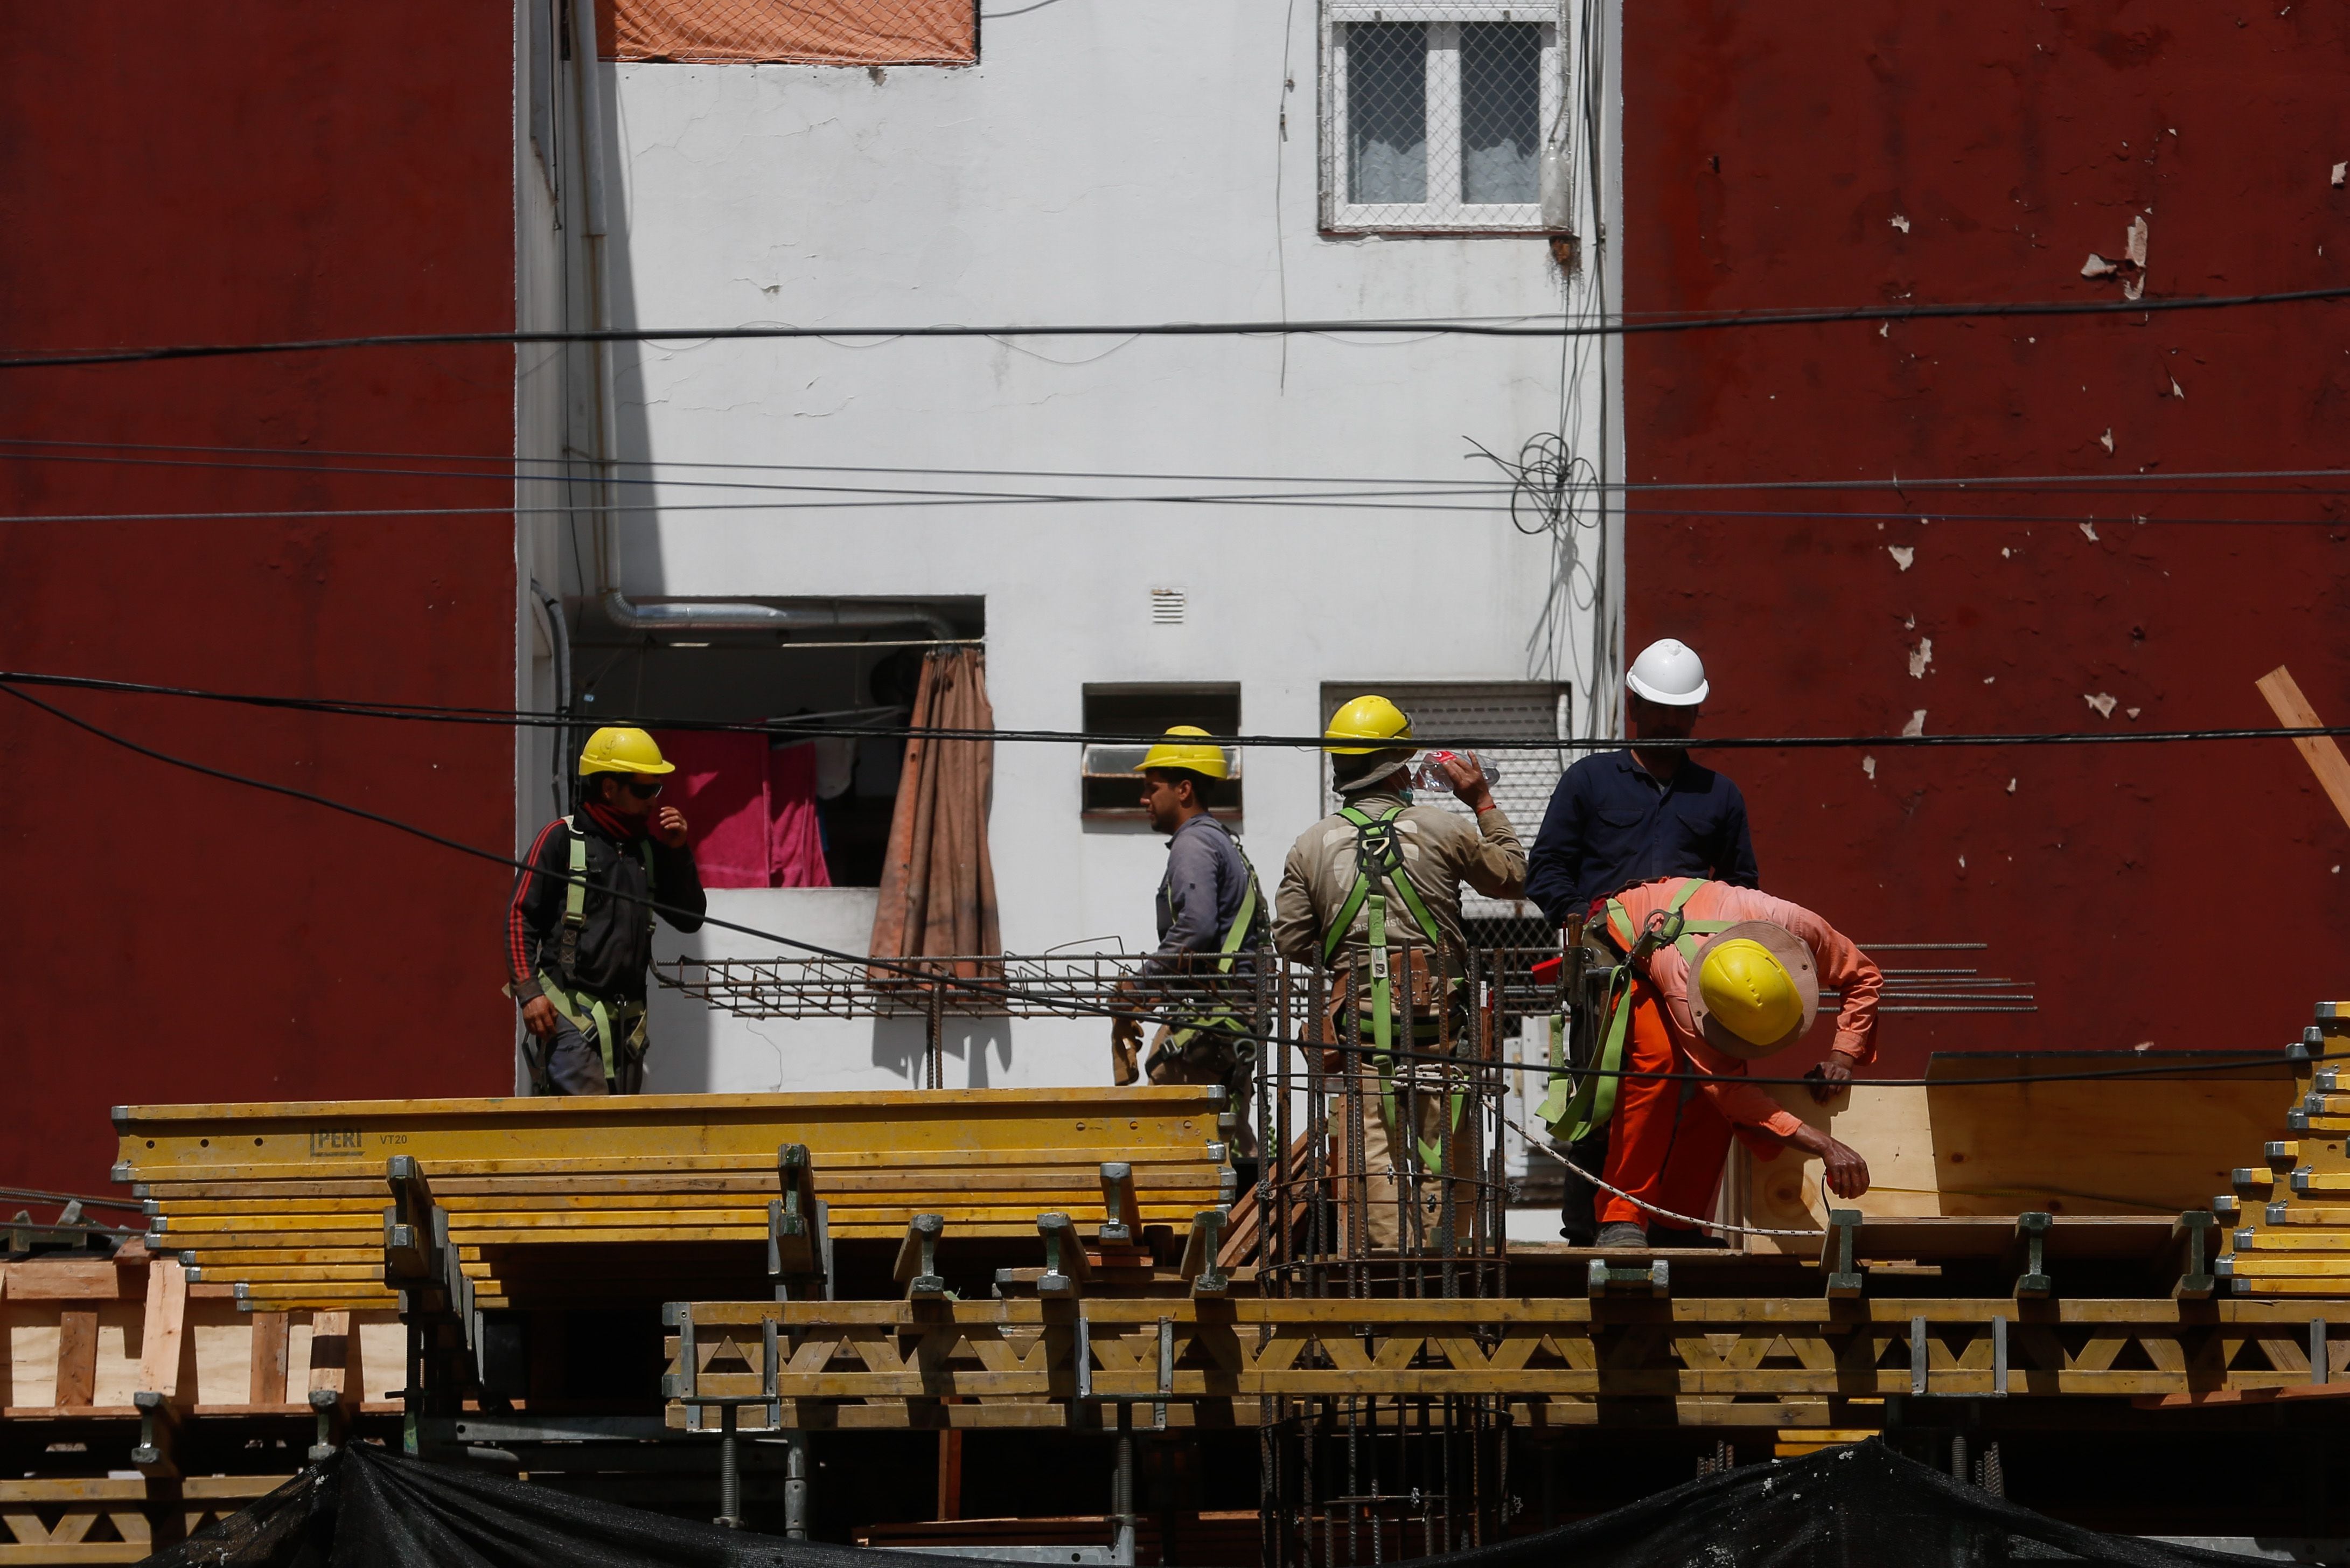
x: 1443, y: 118
x: 1502, y: 709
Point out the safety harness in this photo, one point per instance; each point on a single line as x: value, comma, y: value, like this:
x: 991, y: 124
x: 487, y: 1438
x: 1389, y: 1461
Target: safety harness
x: 1188, y: 1029
x: 587, y: 1011
x: 1573, y: 1111
x: 1380, y: 866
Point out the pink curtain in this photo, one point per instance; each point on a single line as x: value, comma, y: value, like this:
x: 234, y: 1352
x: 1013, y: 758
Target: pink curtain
x: 794, y: 837
x: 721, y: 785
x: 750, y: 810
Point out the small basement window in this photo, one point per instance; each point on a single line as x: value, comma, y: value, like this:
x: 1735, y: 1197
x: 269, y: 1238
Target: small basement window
x: 1111, y: 781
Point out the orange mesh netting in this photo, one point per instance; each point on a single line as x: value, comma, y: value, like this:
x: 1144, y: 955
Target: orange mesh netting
x: 807, y: 32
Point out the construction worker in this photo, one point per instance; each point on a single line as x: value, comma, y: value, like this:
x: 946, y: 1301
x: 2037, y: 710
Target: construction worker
x: 1373, y: 895
x: 1713, y: 976
x: 1622, y: 817
x: 1211, y: 912
x: 579, y: 930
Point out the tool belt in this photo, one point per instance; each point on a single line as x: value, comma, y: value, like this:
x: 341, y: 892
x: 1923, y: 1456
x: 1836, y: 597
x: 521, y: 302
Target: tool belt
x: 614, y: 1024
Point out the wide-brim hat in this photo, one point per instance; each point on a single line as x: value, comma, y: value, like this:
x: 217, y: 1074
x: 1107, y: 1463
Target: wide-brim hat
x: 1792, y: 956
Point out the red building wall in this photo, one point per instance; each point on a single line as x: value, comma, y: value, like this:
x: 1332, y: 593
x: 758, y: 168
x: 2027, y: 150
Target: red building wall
x: 270, y: 170
x: 1843, y: 153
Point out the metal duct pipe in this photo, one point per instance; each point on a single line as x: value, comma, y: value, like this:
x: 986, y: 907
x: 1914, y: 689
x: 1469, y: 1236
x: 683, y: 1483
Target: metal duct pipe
x: 618, y: 607
x: 712, y: 617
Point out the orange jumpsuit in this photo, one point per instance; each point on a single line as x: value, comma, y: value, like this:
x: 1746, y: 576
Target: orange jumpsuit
x: 1670, y: 1135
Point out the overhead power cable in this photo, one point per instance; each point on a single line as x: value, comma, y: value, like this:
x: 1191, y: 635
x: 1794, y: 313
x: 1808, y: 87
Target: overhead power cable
x: 796, y: 729
x: 2197, y: 481
x: 1433, y: 327
x: 915, y: 970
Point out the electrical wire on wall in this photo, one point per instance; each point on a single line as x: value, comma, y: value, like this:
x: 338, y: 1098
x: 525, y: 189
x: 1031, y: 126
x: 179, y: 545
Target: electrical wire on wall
x: 1556, y: 488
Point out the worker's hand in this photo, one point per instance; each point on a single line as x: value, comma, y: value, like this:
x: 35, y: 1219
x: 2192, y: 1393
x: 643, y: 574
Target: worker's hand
x: 1467, y: 776
x: 668, y: 826
x: 1829, y: 1079
x: 1846, y: 1172
x: 538, y: 1016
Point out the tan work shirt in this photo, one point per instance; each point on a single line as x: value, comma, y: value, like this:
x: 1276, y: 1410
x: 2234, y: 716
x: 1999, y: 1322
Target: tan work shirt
x: 1440, y: 852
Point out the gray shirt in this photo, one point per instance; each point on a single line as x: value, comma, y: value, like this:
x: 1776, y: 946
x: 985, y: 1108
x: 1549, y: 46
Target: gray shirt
x: 1199, y: 898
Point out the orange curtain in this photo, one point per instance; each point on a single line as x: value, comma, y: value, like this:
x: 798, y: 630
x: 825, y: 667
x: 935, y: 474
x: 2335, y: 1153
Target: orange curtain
x: 938, y: 885
x: 807, y: 32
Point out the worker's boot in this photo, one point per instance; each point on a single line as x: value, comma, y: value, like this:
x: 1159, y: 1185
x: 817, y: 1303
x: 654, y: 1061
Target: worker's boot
x: 1622, y: 1233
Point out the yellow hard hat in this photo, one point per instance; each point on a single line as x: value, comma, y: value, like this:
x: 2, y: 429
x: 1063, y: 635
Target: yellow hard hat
x: 618, y: 751
x: 1202, y: 756
x: 1373, y: 720
x: 1749, y: 991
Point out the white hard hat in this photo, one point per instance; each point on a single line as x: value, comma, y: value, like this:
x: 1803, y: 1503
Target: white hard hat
x: 1668, y: 671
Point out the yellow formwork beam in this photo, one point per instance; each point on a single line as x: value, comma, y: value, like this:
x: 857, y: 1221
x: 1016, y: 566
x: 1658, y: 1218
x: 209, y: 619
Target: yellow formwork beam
x: 648, y: 1132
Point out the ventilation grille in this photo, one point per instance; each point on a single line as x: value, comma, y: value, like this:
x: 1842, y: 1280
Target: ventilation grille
x: 1167, y: 607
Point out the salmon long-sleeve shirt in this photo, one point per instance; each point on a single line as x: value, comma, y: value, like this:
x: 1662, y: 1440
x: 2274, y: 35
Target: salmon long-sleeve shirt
x: 1840, y: 965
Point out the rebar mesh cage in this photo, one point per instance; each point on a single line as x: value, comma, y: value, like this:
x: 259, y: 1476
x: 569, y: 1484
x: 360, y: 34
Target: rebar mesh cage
x: 1437, y: 118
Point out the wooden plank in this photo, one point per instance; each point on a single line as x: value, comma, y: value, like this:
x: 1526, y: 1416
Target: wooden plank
x: 2324, y: 758
x: 266, y: 1379
x: 51, y: 1280
x: 76, y: 1355
x: 333, y: 1352
x: 2153, y: 1146
x: 162, y: 1336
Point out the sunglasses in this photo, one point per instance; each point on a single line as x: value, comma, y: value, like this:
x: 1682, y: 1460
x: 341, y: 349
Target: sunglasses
x: 643, y: 789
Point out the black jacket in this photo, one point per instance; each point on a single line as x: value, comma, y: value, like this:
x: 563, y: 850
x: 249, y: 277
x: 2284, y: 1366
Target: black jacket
x: 616, y: 946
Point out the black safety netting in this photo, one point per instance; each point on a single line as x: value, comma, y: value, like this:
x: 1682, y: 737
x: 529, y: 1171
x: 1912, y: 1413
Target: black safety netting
x: 1863, y: 1506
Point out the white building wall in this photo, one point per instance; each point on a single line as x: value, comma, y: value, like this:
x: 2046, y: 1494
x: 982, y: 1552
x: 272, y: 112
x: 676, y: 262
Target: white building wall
x: 1121, y: 163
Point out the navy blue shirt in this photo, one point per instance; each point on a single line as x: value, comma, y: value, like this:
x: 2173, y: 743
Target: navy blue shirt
x: 1611, y: 825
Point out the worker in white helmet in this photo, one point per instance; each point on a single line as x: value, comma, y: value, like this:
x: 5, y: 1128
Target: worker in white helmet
x: 1621, y: 819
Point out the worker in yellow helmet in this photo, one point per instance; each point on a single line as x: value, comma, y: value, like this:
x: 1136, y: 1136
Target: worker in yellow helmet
x: 579, y: 928
x: 1211, y: 916
x: 1372, y: 893
x: 1713, y: 976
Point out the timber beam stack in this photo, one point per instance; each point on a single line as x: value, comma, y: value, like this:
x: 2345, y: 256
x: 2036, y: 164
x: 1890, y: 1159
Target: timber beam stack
x: 561, y: 1203
x: 2287, y: 1222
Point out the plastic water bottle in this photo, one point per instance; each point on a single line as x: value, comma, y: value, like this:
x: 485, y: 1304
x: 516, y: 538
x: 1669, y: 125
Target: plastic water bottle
x: 1431, y: 775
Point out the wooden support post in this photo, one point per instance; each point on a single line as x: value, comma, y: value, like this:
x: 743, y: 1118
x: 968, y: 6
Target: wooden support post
x: 1120, y: 1210
x: 1066, y: 1267
x: 266, y: 1384
x: 916, y: 1267
x: 951, y: 1473
x: 331, y: 1345
x: 77, y: 1356
x: 164, y: 1337
x: 1199, y: 1264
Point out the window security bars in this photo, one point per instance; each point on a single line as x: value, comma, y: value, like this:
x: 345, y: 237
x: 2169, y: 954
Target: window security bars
x: 1438, y: 118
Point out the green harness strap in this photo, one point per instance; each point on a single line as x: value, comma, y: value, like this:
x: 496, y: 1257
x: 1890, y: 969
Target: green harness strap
x: 1584, y: 1109
x: 585, y: 1008
x: 1223, y: 1019
x: 1379, y: 865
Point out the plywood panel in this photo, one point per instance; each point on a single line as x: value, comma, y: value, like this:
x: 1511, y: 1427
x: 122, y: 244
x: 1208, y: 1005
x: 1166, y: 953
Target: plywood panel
x: 2114, y: 1146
